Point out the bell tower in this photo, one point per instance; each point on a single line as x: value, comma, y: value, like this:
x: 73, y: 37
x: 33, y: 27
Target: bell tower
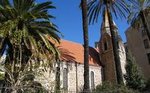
x: 106, y: 50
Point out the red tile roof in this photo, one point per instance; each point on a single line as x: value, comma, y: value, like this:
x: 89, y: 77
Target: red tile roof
x: 74, y: 52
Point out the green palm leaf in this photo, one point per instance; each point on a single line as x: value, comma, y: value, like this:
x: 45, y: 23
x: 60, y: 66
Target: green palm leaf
x: 28, y: 24
x: 139, y: 11
x: 119, y: 8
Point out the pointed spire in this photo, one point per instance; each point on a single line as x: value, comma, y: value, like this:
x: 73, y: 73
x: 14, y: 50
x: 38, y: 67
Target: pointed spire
x: 105, y: 24
x: 106, y: 21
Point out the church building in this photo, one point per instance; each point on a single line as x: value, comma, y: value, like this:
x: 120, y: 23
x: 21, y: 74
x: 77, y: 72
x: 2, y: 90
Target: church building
x: 71, y: 66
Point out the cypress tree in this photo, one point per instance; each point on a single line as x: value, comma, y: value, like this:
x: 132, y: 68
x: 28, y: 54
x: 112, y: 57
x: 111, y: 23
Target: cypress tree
x: 134, y: 78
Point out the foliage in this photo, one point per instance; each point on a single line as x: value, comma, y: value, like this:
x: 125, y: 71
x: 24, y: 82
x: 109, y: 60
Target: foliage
x: 107, y: 87
x: 147, y: 88
x: 28, y: 33
x: 133, y: 77
x: 136, y: 6
x: 27, y: 25
x: 139, y: 12
x: 118, y: 7
x: 2, y: 75
x: 30, y: 86
x: 25, y: 82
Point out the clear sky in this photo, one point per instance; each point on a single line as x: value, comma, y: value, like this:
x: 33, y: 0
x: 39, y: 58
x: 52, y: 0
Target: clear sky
x: 69, y: 21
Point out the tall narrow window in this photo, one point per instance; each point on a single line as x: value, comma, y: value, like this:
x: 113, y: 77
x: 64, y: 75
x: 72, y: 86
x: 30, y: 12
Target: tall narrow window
x: 148, y: 56
x: 105, y: 46
x: 102, y: 74
x: 146, y: 43
x: 118, y: 44
x: 92, y: 80
x: 65, y: 79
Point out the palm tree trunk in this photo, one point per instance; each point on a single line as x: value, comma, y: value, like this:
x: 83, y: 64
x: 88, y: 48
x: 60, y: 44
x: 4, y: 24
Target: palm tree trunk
x: 145, y: 24
x: 115, y: 48
x: 86, y: 88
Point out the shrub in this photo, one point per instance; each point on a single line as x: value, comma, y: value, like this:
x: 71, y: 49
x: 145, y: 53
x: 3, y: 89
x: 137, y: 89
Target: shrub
x: 134, y: 78
x: 147, y: 88
x: 113, y: 88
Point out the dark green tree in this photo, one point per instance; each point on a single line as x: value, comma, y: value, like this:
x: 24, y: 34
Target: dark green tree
x: 133, y: 77
x: 118, y: 8
x: 108, y: 87
x: 86, y: 88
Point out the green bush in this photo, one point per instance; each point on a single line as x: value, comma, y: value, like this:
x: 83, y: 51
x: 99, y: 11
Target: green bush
x: 147, y: 88
x: 134, y: 78
x: 113, y: 88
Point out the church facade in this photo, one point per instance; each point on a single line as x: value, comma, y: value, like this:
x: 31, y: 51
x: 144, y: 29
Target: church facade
x: 71, y: 66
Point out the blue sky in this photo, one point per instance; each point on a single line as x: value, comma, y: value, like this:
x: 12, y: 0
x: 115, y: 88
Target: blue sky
x: 69, y: 21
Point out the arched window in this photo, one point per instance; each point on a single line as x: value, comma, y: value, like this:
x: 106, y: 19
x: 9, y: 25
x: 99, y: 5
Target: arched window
x: 65, y: 79
x: 92, y: 80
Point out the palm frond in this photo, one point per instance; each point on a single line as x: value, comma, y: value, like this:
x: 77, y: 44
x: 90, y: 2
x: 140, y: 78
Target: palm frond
x: 95, y: 7
x: 34, y: 20
x: 41, y: 7
x: 136, y: 7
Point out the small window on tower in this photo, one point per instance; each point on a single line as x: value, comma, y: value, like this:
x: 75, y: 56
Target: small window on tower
x: 143, y: 32
x: 105, y: 46
x: 118, y: 45
x: 146, y: 43
x: 148, y: 56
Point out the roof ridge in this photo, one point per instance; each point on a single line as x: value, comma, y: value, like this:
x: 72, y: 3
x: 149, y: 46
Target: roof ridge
x: 71, y: 42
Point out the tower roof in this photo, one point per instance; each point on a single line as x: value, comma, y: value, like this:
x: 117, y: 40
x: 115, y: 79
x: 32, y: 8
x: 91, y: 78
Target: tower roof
x: 106, y: 21
x: 105, y: 28
x: 105, y: 24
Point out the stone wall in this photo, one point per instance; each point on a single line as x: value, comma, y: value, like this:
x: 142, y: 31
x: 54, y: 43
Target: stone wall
x: 122, y: 56
x: 75, y: 76
x: 107, y: 58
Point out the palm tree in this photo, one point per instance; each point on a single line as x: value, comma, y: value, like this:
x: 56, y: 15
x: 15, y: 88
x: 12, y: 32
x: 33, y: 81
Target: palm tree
x: 118, y: 8
x: 139, y: 10
x: 86, y: 88
x: 26, y: 30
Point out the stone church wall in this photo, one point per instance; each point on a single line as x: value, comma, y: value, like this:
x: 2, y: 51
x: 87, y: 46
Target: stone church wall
x: 75, y: 76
